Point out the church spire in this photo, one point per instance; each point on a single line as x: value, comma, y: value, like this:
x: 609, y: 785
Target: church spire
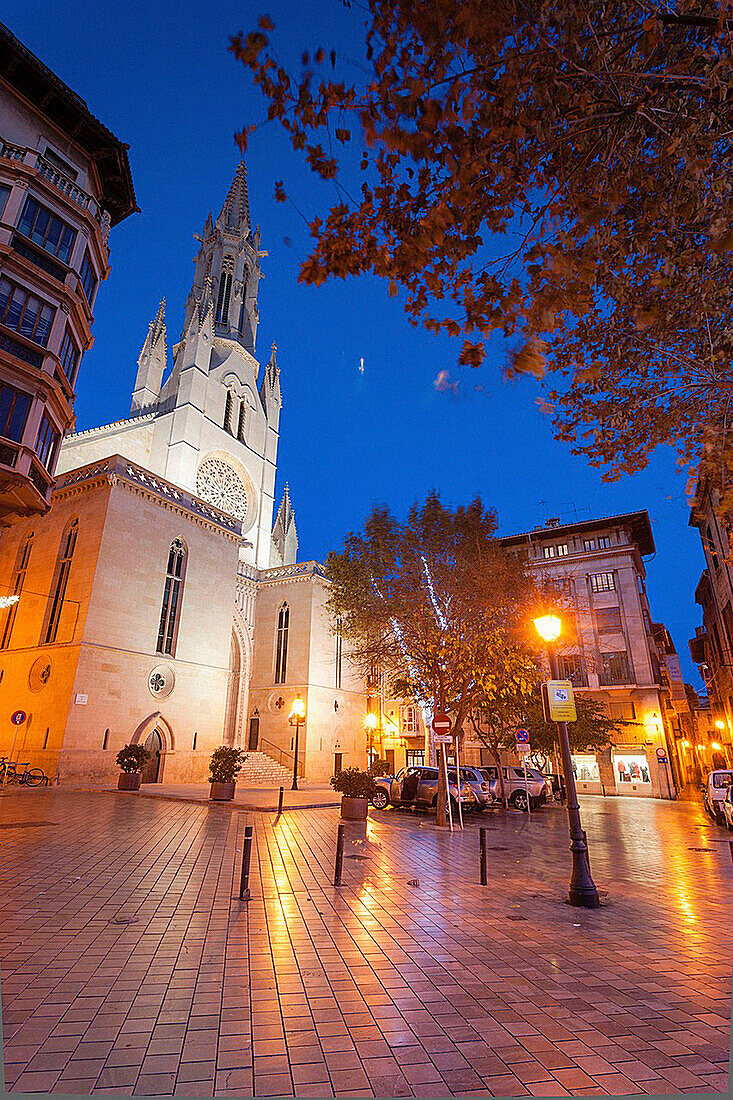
x: 230, y: 257
x: 284, y: 533
x: 151, y: 363
x: 234, y: 217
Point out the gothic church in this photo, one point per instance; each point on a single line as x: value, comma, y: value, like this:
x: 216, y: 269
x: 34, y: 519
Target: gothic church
x: 161, y: 600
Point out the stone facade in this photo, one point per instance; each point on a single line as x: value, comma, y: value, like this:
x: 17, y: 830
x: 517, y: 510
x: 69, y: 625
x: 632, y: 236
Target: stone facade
x: 187, y: 478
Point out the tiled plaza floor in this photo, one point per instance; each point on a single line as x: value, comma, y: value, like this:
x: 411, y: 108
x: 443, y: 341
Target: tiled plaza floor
x: 130, y: 967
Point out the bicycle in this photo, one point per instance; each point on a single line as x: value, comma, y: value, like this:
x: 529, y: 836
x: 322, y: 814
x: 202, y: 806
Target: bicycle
x: 31, y: 777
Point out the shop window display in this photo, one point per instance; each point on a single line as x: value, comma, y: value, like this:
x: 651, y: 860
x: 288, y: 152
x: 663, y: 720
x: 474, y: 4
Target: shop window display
x: 585, y: 769
x: 632, y: 769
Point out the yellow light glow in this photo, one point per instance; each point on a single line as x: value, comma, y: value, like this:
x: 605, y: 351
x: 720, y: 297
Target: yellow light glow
x: 698, y: 746
x: 716, y: 746
x: 8, y: 601
x: 719, y: 725
x: 370, y: 722
x: 297, y: 710
x: 686, y: 744
x: 548, y: 627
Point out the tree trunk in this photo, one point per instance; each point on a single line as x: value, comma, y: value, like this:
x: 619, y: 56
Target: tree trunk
x: 497, y: 760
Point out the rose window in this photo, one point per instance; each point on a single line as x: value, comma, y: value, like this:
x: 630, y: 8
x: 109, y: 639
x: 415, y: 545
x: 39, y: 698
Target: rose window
x: 220, y: 485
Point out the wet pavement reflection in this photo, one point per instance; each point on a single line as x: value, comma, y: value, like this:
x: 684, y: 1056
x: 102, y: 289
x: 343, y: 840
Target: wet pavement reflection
x: 129, y: 966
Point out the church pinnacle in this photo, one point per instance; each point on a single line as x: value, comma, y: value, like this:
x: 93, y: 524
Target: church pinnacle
x: 151, y: 363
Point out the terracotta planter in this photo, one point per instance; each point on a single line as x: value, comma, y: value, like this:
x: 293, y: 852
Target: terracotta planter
x: 354, y: 809
x: 222, y: 792
x: 128, y: 781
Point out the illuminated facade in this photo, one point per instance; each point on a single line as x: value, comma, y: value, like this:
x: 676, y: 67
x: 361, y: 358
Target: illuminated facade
x: 64, y: 181
x: 614, y: 656
x: 160, y: 600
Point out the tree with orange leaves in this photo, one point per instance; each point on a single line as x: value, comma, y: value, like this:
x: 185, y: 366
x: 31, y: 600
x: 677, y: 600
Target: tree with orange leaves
x: 555, y: 170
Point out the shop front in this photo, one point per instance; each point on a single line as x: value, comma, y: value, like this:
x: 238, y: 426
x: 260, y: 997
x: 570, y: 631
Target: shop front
x: 633, y: 773
x: 587, y: 773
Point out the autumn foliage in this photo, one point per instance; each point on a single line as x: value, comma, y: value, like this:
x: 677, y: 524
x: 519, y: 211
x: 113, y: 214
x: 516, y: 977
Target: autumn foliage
x: 555, y: 170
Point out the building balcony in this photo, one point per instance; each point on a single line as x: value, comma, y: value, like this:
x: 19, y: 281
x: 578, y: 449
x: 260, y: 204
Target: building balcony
x: 33, y: 160
x: 25, y: 486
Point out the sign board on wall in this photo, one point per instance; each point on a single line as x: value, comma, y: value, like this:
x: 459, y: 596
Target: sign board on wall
x: 81, y: 700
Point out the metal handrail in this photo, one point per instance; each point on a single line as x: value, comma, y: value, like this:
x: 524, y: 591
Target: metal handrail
x: 281, y: 752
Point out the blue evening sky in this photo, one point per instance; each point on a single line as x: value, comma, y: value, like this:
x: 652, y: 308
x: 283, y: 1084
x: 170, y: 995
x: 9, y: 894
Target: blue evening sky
x: 158, y: 74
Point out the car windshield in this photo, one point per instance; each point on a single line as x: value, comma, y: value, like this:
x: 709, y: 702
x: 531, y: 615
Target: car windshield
x: 722, y: 779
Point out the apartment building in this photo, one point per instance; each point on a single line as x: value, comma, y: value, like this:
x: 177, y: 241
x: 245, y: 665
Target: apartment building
x: 64, y: 182
x: 610, y: 651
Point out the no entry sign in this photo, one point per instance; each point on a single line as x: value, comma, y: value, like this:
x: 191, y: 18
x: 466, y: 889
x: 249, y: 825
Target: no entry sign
x: 441, y: 723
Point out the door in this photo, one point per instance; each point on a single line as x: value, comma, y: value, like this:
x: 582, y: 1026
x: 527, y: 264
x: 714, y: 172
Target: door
x: 389, y: 757
x: 338, y: 762
x: 253, y: 739
x: 151, y: 771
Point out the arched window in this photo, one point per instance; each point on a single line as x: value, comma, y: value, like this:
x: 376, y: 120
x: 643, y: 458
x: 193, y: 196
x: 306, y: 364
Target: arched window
x: 16, y: 587
x: 225, y: 292
x: 60, y: 580
x: 242, y: 425
x: 339, y: 653
x: 170, y: 612
x: 281, y: 644
x: 229, y: 413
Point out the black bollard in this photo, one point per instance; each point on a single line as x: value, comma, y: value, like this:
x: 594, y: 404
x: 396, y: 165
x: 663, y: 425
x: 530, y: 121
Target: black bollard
x: 484, y: 857
x: 280, y: 801
x: 339, y: 855
x: 244, y: 894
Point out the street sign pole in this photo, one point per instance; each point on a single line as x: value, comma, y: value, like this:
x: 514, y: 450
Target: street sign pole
x: 526, y: 788
x: 441, y: 726
x: 582, y: 889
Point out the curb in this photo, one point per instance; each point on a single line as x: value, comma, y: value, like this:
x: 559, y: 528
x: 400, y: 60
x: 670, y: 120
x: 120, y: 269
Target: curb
x: 210, y: 802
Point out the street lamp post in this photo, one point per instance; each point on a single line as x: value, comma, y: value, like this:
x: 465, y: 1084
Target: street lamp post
x: 582, y: 890
x: 297, y: 719
x: 370, y: 724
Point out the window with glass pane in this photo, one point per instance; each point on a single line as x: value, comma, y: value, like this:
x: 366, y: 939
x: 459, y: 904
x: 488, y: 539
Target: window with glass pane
x: 623, y: 711
x: 548, y: 551
x: 608, y: 620
x: 172, y: 599
x: 4, y: 195
x: 69, y: 355
x: 16, y: 587
x: 339, y: 653
x: 415, y: 758
x: 24, y: 312
x: 222, y: 302
x: 61, y: 578
x: 602, y: 582
x: 47, y: 443
x: 614, y: 669
x: 46, y: 229
x: 572, y: 667
x: 604, y: 542
x: 409, y: 720
x: 88, y: 277
x: 589, y: 544
x: 562, y: 549
x: 281, y: 644
x: 14, y: 406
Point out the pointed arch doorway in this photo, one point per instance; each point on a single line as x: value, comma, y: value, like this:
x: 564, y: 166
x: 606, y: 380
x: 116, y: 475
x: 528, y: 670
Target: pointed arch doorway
x: 154, y: 745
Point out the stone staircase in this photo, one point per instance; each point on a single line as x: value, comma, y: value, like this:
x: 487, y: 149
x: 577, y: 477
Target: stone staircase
x: 260, y: 770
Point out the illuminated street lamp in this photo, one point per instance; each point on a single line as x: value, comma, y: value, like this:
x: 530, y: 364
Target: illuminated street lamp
x: 297, y: 719
x: 582, y: 890
x: 720, y: 724
x: 370, y: 724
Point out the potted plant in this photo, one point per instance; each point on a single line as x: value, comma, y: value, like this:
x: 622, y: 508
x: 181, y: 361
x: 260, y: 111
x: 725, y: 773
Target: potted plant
x: 130, y: 759
x: 357, y: 787
x: 224, y: 767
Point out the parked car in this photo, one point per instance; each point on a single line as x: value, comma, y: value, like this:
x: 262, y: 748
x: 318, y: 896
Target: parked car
x: 380, y: 798
x: 727, y: 805
x: 714, y: 790
x: 480, y: 786
x: 418, y: 787
x: 537, y: 785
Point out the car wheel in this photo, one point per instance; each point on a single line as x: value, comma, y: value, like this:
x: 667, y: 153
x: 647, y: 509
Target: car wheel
x: 380, y: 800
x: 519, y: 801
